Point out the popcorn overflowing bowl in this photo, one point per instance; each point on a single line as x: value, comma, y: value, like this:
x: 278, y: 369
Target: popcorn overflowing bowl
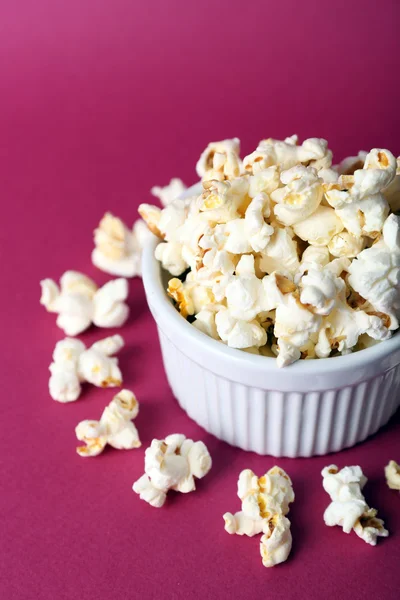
x: 278, y: 261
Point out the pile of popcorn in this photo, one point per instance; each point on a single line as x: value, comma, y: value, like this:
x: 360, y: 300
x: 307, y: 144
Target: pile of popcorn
x: 282, y: 254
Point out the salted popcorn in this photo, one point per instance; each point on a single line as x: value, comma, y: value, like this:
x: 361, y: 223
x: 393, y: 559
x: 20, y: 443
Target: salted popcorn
x: 392, y: 474
x: 220, y: 160
x: 115, y: 427
x: 172, y: 464
x: 74, y: 364
x: 375, y: 273
x: 284, y: 254
x: 170, y: 192
x: 118, y: 249
x: 348, y: 508
x: 265, y: 502
x: 79, y: 302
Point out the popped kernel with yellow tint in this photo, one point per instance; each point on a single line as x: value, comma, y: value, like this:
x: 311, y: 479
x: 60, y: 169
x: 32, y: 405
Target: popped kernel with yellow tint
x: 74, y: 364
x: 265, y: 502
x: 114, y: 428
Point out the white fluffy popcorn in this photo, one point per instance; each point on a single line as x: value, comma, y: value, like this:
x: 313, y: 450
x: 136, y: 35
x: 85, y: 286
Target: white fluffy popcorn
x: 284, y: 255
x: 79, y: 302
x: 375, y: 273
x: 115, y: 427
x: 118, y: 250
x: 265, y: 502
x: 170, y: 192
x: 172, y: 464
x: 220, y: 160
x: 300, y: 197
x: 392, y: 474
x: 348, y: 507
x: 74, y: 364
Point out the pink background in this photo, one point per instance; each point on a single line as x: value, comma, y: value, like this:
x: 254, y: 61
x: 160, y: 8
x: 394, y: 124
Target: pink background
x: 98, y: 102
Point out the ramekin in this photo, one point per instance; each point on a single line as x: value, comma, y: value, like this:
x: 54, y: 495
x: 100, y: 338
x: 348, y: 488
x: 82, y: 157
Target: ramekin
x: 312, y: 407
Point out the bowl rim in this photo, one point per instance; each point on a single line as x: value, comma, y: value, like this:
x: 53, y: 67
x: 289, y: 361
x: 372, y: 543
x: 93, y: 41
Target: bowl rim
x: 167, y: 313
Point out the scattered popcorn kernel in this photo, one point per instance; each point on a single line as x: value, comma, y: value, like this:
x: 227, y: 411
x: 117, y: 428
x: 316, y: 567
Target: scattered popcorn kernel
x: 392, y: 474
x: 74, y: 364
x: 114, y: 428
x: 265, y: 502
x: 79, y: 303
x: 276, y: 543
x: 173, y: 463
x: 117, y: 249
x: 348, y: 508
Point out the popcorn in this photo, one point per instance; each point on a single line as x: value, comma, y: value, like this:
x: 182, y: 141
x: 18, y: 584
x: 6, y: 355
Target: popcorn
x: 265, y: 502
x: 348, y: 507
x: 319, y: 290
x: 114, y: 428
x: 300, y: 197
x: 74, y: 364
x: 285, y: 255
x: 352, y: 163
x: 170, y: 192
x: 220, y: 160
x: 287, y: 154
x: 392, y: 474
x: 238, y: 333
x: 173, y: 463
x: 346, y: 244
x: 117, y: 249
x: 79, y: 303
x: 280, y: 254
x: 375, y: 273
x: 276, y: 543
x: 392, y: 191
x: 320, y: 227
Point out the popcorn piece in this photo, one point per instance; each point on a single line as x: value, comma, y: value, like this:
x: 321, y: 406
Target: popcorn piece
x: 258, y: 231
x: 348, y: 507
x: 375, y: 273
x: 280, y: 254
x: 173, y: 463
x: 205, y: 322
x: 392, y: 191
x: 265, y: 502
x: 265, y: 181
x: 189, y: 296
x: 117, y: 249
x: 369, y: 528
x: 222, y: 201
x: 238, y: 333
x: 276, y: 543
x: 320, y: 227
x: 170, y: 192
x: 64, y: 383
x: 319, y: 289
x: 170, y: 256
x: 300, y: 197
x: 220, y: 160
x: 79, y: 302
x: 313, y: 152
x: 151, y: 216
x: 392, y: 474
x: 352, y: 163
x: 294, y: 324
x: 73, y: 364
x: 346, y: 244
x: 114, y: 428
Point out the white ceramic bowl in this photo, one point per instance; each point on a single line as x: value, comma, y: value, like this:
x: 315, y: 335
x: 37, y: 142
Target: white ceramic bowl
x: 311, y: 407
